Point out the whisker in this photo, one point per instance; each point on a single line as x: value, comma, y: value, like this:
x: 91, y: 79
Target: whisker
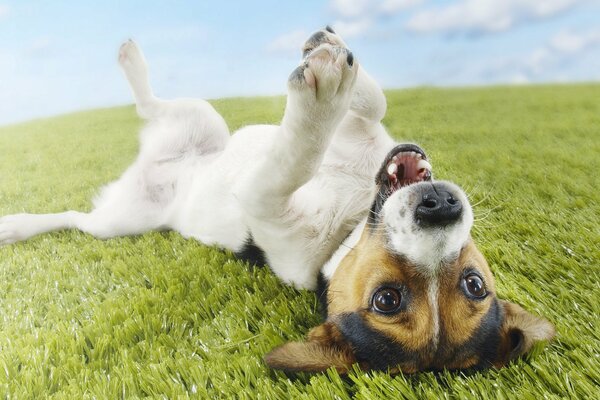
x: 484, y: 214
x: 479, y: 226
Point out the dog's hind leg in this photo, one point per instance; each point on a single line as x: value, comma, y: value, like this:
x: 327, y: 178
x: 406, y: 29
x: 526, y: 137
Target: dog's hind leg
x: 100, y: 224
x: 19, y: 227
x: 179, y: 133
x: 129, y: 206
x: 133, y: 64
x: 124, y: 207
x: 184, y: 124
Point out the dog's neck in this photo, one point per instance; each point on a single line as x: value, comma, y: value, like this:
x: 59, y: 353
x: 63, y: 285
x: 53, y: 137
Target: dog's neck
x: 348, y: 244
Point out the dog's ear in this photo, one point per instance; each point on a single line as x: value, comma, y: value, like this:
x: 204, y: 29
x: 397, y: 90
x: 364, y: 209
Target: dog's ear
x: 325, y: 348
x: 520, y: 331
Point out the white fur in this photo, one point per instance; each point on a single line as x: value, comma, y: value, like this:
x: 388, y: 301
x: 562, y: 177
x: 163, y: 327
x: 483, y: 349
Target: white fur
x: 428, y: 248
x: 299, y: 189
x: 432, y: 296
x: 342, y: 251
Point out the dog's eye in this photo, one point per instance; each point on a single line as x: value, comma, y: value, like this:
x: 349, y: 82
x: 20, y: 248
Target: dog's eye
x: 386, y: 300
x: 474, y: 286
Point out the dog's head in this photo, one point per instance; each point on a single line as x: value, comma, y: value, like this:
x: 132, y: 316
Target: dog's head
x: 414, y: 293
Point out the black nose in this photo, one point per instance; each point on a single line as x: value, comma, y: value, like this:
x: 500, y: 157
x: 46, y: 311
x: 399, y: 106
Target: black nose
x: 438, y: 207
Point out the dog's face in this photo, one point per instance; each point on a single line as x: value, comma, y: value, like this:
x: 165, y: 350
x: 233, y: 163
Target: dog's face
x: 414, y: 293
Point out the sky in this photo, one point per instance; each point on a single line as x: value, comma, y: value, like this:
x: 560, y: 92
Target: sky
x: 61, y: 56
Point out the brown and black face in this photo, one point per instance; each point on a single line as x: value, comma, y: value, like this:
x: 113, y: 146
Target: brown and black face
x: 414, y: 293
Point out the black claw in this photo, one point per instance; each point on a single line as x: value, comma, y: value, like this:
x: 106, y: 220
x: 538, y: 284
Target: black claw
x: 350, y: 58
x: 329, y: 29
x: 316, y: 39
x: 297, y: 75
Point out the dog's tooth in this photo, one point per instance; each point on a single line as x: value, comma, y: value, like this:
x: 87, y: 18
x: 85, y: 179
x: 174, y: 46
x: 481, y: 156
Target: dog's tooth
x: 422, y: 164
x: 395, y: 158
x: 392, y: 169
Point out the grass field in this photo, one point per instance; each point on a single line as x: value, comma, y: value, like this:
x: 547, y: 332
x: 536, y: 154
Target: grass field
x: 158, y: 315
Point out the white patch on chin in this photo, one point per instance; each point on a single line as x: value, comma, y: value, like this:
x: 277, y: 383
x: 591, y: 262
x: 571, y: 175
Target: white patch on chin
x: 427, y: 247
x: 432, y: 295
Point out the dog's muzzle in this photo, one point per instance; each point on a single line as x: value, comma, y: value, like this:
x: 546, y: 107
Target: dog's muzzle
x: 438, y: 206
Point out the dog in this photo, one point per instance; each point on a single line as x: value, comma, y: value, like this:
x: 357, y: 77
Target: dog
x: 329, y: 202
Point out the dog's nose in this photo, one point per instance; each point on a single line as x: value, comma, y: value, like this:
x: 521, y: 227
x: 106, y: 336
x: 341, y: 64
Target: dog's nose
x: 438, y: 207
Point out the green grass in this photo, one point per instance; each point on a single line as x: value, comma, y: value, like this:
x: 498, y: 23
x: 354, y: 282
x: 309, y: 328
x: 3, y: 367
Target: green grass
x: 159, y: 315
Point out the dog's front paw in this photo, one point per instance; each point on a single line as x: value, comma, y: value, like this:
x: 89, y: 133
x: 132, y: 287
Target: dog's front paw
x: 326, y: 75
x: 325, y: 35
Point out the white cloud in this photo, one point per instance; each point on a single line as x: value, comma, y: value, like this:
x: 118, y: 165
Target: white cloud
x: 563, y: 48
x: 352, y: 28
x: 353, y: 18
x: 288, y: 43
x: 563, y: 52
x: 485, y: 16
x: 519, y: 79
x: 291, y: 43
x: 536, y: 62
x: 394, y: 6
x: 565, y: 56
x: 175, y: 34
x: 360, y: 8
x: 39, y: 46
x: 357, y: 17
x: 4, y: 10
x: 351, y: 8
x: 570, y: 42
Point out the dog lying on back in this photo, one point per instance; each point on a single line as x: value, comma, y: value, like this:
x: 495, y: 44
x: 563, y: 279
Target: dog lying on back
x: 330, y: 202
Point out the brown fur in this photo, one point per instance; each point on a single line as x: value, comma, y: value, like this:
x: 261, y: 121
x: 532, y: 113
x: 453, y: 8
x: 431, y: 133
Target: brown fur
x: 525, y: 329
x: 460, y: 316
x: 366, y: 268
x: 324, y: 349
x: 369, y: 266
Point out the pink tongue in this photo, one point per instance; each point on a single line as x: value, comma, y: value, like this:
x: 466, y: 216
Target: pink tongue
x: 410, y: 167
x: 406, y: 170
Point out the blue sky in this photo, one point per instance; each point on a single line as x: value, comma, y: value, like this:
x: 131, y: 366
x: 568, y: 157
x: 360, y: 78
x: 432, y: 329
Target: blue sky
x: 60, y: 56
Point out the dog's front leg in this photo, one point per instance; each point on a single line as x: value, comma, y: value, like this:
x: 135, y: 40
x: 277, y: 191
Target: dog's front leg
x: 283, y: 221
x: 319, y: 94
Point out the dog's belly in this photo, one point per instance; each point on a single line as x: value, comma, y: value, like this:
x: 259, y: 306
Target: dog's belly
x: 208, y: 209
x: 308, y: 230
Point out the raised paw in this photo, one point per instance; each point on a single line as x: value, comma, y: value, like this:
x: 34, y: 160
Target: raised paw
x: 328, y: 72
x: 325, y: 35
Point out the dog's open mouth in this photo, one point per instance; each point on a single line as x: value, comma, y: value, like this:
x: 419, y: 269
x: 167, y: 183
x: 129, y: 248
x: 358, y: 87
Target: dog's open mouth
x: 405, y: 164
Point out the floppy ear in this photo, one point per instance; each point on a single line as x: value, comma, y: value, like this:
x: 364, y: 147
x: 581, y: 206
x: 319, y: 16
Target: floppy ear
x: 520, y: 331
x: 325, y: 348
